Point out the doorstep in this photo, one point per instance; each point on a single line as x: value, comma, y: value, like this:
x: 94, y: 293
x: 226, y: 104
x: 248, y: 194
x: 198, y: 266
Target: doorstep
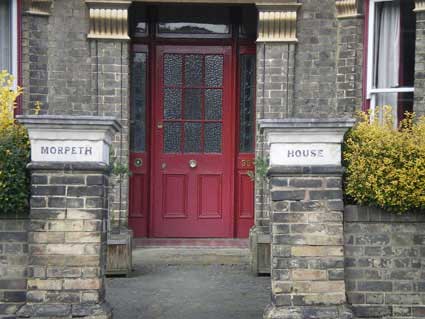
x: 191, y: 242
x: 191, y: 251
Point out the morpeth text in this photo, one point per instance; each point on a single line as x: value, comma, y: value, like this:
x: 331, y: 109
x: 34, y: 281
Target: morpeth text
x: 66, y: 150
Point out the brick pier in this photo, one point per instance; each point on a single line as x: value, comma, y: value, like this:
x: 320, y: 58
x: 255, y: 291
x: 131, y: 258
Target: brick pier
x: 67, y: 241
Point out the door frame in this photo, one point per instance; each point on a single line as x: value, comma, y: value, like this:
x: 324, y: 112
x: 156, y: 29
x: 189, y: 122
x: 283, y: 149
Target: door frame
x: 150, y: 44
x: 198, y: 48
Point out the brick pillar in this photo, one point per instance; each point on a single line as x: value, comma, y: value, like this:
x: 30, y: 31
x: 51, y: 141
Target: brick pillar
x: 68, y: 216
x: 419, y: 106
x: 67, y: 241
x: 275, y: 99
x: 307, y: 252
x: 350, y: 64
x: 109, y: 50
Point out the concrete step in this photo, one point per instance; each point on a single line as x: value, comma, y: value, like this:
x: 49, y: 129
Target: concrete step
x: 190, y: 256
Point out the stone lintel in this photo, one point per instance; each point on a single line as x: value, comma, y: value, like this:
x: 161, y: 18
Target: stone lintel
x: 347, y: 9
x: 419, y: 6
x: 277, y: 22
x: 108, y: 19
x: 70, y: 166
x: 40, y: 7
x: 326, y: 170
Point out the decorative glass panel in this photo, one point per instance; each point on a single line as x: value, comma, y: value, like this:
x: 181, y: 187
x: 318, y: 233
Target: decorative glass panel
x: 188, y: 20
x: 212, y: 137
x: 172, y: 103
x: 192, y: 137
x: 172, y: 69
x: 193, y: 70
x: 193, y: 28
x: 172, y: 137
x: 141, y: 28
x: 192, y: 104
x: 247, y: 103
x: 214, y: 70
x: 213, y: 104
x: 138, y: 20
x: 138, y: 103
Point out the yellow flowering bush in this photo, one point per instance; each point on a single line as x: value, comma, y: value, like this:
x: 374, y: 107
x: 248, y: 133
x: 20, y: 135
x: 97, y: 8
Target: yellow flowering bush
x: 14, y: 152
x: 386, y: 165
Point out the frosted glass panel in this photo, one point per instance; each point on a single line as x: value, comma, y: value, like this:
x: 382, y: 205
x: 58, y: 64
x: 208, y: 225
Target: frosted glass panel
x: 193, y: 70
x: 212, y: 137
x: 192, y: 104
x: 213, y: 104
x: 172, y: 69
x: 214, y: 70
x: 192, y: 137
x: 247, y: 103
x: 138, y: 103
x: 172, y: 103
x: 172, y: 137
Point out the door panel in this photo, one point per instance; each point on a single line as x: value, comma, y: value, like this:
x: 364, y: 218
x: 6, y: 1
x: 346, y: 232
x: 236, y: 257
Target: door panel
x: 192, y: 160
x: 209, y: 200
x: 174, y: 198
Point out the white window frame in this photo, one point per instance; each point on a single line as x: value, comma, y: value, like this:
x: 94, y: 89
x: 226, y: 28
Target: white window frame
x: 15, y: 36
x: 371, y: 91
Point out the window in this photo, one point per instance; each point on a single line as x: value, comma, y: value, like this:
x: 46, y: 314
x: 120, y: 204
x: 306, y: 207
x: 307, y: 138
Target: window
x: 9, y: 37
x: 391, y: 54
x: 189, y: 21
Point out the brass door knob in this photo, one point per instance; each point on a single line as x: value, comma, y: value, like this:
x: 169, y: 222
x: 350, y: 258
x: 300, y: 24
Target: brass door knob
x: 193, y: 164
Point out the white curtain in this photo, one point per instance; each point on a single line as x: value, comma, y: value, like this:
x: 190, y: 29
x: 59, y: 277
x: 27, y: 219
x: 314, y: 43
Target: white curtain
x: 5, y: 36
x: 387, y: 52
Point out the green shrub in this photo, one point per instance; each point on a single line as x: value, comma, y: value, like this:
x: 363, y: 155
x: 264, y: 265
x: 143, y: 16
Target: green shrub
x: 386, y: 166
x: 14, y: 153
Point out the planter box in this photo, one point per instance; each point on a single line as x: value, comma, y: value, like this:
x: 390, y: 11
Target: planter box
x: 119, y: 254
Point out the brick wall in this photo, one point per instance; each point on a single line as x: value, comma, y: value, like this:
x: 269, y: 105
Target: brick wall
x: 13, y: 265
x: 315, y: 66
x: 349, y: 75
x: 384, y: 256
x: 419, y: 106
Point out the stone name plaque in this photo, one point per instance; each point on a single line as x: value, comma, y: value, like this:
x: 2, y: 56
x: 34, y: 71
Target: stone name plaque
x: 68, y: 151
x: 305, y: 154
x: 67, y: 138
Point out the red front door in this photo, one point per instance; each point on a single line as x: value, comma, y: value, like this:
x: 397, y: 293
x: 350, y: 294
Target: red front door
x: 193, y: 144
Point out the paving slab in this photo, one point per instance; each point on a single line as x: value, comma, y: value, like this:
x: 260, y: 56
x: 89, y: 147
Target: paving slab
x: 189, y: 287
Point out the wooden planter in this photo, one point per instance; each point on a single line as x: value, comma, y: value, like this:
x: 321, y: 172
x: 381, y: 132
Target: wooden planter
x: 119, y: 253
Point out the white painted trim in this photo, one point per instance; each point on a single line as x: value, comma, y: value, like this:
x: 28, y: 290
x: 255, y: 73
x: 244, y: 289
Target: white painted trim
x: 14, y: 51
x: 393, y: 90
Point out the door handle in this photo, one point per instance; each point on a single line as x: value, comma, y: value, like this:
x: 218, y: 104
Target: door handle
x: 159, y: 125
x: 193, y: 163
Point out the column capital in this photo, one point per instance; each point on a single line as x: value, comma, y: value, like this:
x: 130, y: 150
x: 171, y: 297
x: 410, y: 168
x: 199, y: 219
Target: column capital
x: 277, y: 22
x: 419, y: 6
x: 39, y: 7
x: 108, y: 19
x: 347, y: 9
